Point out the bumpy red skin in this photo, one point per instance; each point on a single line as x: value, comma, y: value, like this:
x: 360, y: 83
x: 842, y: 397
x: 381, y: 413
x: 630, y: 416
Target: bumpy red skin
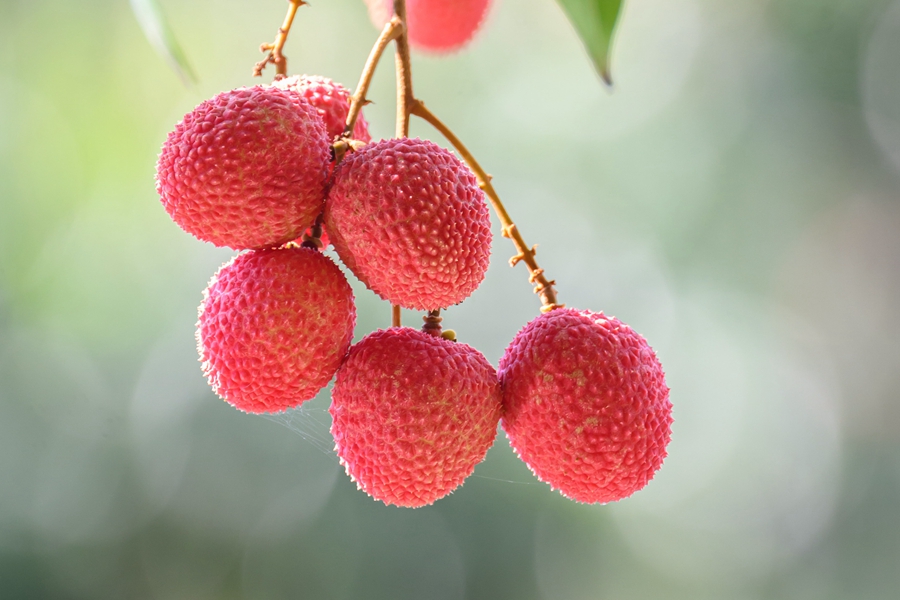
x: 435, y: 25
x: 331, y: 99
x: 274, y: 327
x: 586, y: 405
x: 408, y: 218
x: 246, y: 169
x: 413, y: 414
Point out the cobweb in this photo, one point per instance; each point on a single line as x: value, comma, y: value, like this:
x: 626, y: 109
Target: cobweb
x: 310, y: 421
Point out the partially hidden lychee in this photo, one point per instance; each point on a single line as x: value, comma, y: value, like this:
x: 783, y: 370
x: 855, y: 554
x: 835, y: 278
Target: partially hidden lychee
x: 413, y: 414
x: 274, y: 326
x: 330, y: 99
x: 435, y: 25
x: 246, y: 169
x: 586, y: 405
x: 408, y: 218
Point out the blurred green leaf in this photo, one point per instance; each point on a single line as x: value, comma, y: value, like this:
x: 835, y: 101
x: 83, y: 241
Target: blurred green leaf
x: 594, y: 21
x: 161, y: 37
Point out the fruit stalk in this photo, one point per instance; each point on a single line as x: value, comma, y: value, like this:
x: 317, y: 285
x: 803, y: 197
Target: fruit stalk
x: 394, y: 30
x: 275, y: 56
x: 408, y: 105
x: 542, y: 286
x: 391, y: 30
x: 432, y: 325
x: 405, y: 99
x: 313, y: 239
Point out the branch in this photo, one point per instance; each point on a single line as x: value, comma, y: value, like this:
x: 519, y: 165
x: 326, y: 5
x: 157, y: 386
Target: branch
x: 275, y: 56
x: 542, y: 285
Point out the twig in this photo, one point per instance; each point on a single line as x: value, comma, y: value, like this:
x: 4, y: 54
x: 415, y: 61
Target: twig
x: 391, y: 30
x: 313, y: 239
x: 405, y: 97
x: 275, y: 56
x: 394, y: 30
x: 542, y: 286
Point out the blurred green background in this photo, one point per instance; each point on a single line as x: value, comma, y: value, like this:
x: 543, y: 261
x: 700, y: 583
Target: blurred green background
x: 736, y: 199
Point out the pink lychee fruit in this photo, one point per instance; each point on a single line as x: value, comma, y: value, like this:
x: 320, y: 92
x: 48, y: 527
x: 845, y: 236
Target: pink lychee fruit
x: 586, y: 404
x: 435, y: 25
x: 413, y: 414
x: 246, y: 169
x: 331, y: 99
x: 408, y: 218
x: 274, y: 327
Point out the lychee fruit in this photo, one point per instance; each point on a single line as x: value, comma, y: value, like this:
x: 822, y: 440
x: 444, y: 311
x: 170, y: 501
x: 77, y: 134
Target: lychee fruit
x: 586, y: 404
x: 274, y: 327
x: 246, y: 169
x: 408, y: 218
x: 435, y: 25
x: 413, y: 414
x: 331, y: 99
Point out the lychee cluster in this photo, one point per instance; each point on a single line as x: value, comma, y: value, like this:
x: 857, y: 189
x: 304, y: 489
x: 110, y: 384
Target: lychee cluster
x: 581, y: 396
x: 252, y: 169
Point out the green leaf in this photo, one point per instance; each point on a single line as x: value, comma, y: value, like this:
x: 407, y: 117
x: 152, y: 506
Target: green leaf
x: 594, y: 21
x: 159, y: 34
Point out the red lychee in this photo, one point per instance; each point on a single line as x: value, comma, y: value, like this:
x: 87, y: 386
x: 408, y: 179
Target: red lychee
x: 435, y: 25
x: 246, y: 169
x: 331, y: 99
x: 274, y: 327
x: 413, y: 414
x: 585, y: 404
x: 408, y: 218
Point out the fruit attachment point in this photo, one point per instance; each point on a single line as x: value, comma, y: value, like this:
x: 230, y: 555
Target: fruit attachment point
x: 312, y: 238
x: 432, y: 324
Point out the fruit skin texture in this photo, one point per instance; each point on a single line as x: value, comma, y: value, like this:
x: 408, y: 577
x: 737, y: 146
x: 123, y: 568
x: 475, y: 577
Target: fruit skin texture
x: 246, y: 169
x: 274, y: 326
x: 413, y: 414
x: 586, y: 405
x: 435, y: 25
x: 330, y: 99
x: 407, y: 217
